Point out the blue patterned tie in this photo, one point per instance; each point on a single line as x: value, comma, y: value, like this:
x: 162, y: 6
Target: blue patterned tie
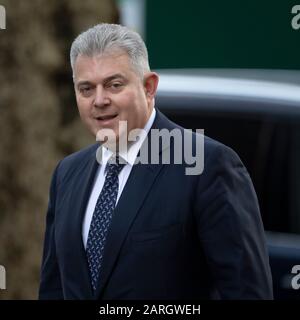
x: 101, y: 220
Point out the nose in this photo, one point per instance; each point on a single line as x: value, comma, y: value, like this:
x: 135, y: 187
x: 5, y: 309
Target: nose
x: 101, y: 98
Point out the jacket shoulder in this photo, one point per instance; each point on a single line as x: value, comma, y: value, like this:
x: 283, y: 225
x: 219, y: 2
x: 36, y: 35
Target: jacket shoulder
x: 73, y: 162
x: 78, y: 156
x: 213, y: 149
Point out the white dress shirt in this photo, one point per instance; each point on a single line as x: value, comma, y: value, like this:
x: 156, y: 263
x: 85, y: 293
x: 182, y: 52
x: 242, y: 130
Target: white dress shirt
x: 130, y: 157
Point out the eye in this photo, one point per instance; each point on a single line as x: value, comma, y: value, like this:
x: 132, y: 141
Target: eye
x: 85, y: 91
x: 116, y: 85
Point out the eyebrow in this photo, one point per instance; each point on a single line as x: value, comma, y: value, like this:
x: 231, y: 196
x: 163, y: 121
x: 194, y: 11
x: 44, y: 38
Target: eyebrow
x: 82, y: 83
x: 106, y: 80
x: 113, y: 77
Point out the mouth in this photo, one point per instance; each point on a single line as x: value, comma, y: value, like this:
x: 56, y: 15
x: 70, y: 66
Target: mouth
x: 106, y: 117
x: 106, y: 120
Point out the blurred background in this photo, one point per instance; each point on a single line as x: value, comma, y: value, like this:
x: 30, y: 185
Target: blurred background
x: 39, y: 123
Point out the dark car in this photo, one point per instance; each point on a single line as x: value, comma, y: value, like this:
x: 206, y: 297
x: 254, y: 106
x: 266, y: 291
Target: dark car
x: 257, y: 113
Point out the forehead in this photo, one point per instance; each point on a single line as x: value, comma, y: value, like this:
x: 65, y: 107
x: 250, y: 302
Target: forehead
x: 102, y: 66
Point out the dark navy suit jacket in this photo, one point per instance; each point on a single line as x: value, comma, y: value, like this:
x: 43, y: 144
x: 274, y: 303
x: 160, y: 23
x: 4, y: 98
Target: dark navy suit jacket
x: 173, y: 236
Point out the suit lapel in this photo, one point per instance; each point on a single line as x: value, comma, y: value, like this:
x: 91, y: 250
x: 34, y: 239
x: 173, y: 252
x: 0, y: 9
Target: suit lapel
x: 136, y: 189
x: 81, y: 189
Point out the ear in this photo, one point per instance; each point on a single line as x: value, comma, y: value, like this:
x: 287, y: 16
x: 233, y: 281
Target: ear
x: 150, y: 85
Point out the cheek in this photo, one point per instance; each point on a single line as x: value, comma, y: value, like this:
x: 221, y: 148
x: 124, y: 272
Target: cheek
x: 81, y: 112
x: 132, y: 104
x: 83, y: 108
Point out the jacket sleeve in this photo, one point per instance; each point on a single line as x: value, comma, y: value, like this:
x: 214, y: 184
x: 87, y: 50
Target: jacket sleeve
x: 50, y: 281
x: 231, y: 231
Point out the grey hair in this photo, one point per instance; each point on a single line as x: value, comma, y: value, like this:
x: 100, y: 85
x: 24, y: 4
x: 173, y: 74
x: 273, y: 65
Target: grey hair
x: 105, y: 37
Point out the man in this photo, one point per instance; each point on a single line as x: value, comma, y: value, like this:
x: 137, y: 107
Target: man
x: 122, y: 229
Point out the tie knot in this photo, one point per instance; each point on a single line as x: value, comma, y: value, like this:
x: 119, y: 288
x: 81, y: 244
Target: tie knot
x: 114, y: 166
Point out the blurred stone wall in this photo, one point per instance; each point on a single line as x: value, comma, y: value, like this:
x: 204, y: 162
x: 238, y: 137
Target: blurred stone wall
x: 39, y: 123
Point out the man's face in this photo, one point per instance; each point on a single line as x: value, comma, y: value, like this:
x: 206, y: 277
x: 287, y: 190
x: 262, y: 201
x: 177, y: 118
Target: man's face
x: 108, y: 90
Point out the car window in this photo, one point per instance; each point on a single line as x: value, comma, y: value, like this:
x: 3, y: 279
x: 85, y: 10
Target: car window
x: 270, y: 149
